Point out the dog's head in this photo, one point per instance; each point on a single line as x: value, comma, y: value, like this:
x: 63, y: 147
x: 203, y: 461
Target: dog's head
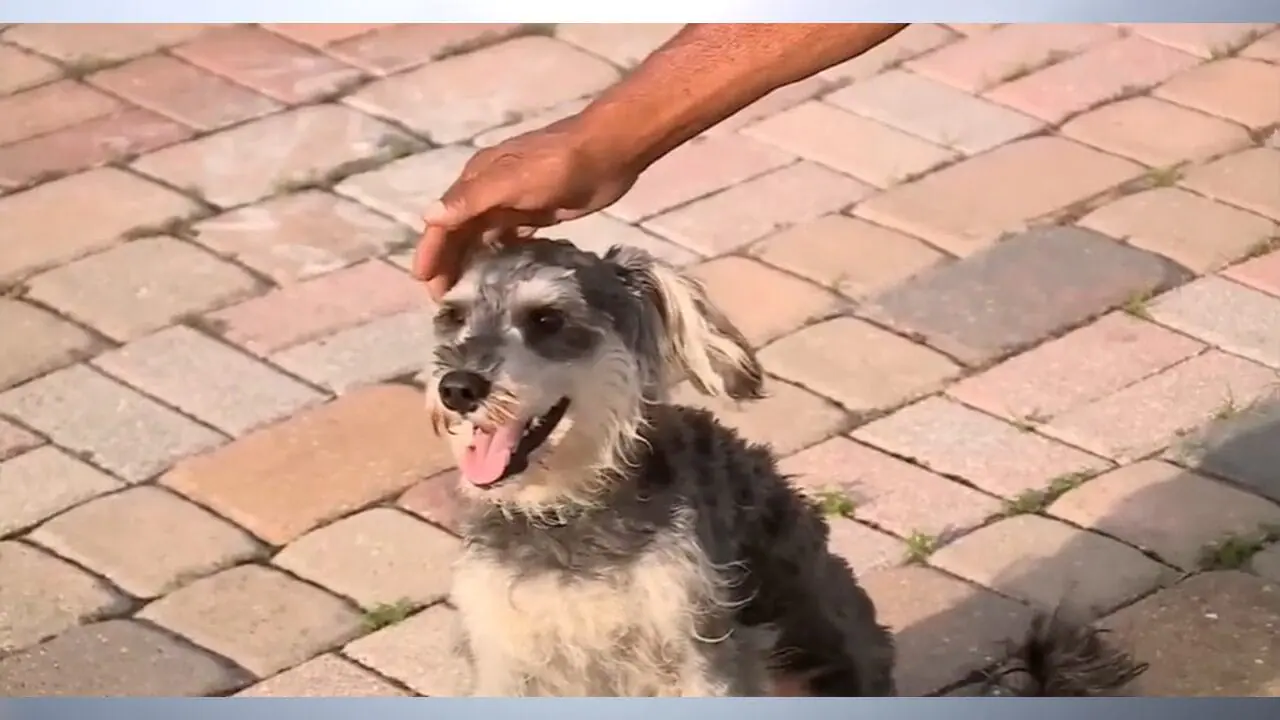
x: 547, y: 355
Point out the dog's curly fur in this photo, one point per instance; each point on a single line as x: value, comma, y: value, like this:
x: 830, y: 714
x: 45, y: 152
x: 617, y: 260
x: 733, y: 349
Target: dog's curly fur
x: 644, y: 548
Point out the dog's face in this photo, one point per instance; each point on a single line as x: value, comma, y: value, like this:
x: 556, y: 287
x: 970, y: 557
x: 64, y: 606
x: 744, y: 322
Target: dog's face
x: 546, y: 356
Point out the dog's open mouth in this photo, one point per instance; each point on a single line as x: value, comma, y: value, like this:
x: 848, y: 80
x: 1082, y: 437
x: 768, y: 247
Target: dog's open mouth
x: 495, y: 455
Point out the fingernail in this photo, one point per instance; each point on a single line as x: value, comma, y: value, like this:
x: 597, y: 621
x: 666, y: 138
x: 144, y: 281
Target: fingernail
x: 435, y: 212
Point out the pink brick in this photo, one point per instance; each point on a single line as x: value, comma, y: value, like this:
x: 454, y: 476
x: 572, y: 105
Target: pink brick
x: 986, y: 59
x: 1124, y: 128
x: 889, y: 493
x: 268, y: 63
x: 697, y: 169
x: 397, y: 48
x: 1083, y: 365
x: 318, y: 307
x: 1249, y: 179
x: 623, y: 44
x: 736, y: 284
x: 183, y: 92
x: 51, y: 107
x: 20, y: 70
x: 912, y: 41
x: 1104, y: 73
x: 1234, y: 88
x: 1206, y: 40
x: 76, y: 43
x: 1266, y: 48
x: 1260, y: 273
x: 321, y: 34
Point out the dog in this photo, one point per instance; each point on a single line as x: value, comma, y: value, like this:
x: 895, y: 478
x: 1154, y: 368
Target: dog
x: 620, y: 545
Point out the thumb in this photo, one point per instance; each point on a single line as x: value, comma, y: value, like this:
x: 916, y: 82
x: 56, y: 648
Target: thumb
x: 442, y: 213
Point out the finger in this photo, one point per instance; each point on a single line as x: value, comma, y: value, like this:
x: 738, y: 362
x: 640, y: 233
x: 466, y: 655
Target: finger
x: 426, y: 256
x: 440, y: 261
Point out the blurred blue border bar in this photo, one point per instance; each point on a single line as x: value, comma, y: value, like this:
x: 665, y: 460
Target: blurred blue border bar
x: 635, y: 709
x: 649, y: 11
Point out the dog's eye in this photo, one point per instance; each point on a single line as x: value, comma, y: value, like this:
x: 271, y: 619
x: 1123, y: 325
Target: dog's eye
x: 544, y: 321
x: 451, y: 316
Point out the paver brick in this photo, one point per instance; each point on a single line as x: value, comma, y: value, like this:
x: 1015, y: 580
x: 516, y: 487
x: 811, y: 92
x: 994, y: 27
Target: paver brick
x: 183, y: 92
x: 1235, y: 318
x: 1125, y: 128
x: 624, y: 45
x: 419, y: 652
x: 1164, y: 509
x: 299, y: 236
x: 380, y: 556
x: 1249, y: 179
x: 438, y: 501
x: 735, y: 285
x: 893, y: 495
x: 857, y: 364
x: 1266, y: 48
x: 1146, y: 416
x: 117, y: 658
x: 938, y: 113
x: 459, y: 97
x: 36, y: 341
x: 965, y: 207
x: 943, y: 628
x: 1090, y: 79
x: 108, y: 203
x: 321, y: 34
x: 696, y: 169
x: 43, y: 482
x: 286, y: 479
x: 849, y: 255
x: 1205, y: 40
x: 912, y: 41
x: 1233, y: 88
x: 598, y: 232
x: 105, y: 139
x: 1224, y: 644
x: 15, y: 440
x: 20, y: 70
x: 140, y: 286
x: 870, y: 151
x: 89, y: 44
x: 51, y: 107
x: 787, y: 419
x: 1267, y: 563
x: 1050, y: 564
x: 955, y: 441
x: 317, y: 307
x: 865, y: 549
x: 1199, y: 234
x: 324, y: 676
x: 146, y: 540
x: 739, y: 215
x: 530, y: 121
x: 268, y: 63
x: 780, y: 100
x: 207, y: 380
x: 260, y: 618
x: 110, y: 425
x: 341, y: 362
x: 272, y: 154
x: 1239, y: 445
x: 403, y: 189
x: 395, y: 48
x: 1085, y: 364
x: 1260, y: 273
x: 987, y: 59
x: 1025, y: 289
x: 43, y: 596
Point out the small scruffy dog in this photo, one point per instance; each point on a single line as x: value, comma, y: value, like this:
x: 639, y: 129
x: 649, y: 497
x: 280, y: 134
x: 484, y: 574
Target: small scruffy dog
x: 619, y: 545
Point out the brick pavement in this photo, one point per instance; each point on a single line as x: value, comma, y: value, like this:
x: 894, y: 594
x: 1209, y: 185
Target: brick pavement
x: 1023, y: 336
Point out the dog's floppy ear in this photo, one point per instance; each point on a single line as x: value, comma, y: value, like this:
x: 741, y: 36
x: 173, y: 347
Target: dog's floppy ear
x: 696, y: 337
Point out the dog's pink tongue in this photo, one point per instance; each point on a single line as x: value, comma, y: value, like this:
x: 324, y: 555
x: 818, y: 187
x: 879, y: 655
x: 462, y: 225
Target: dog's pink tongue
x: 484, y: 461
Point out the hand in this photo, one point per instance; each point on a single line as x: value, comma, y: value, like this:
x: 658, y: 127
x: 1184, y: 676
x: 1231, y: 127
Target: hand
x: 535, y: 180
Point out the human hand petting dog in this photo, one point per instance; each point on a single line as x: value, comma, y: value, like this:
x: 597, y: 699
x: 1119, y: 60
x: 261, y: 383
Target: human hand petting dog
x: 586, y: 162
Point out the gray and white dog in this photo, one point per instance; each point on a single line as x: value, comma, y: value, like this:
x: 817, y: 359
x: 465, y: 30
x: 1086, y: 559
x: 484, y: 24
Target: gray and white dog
x: 616, y: 544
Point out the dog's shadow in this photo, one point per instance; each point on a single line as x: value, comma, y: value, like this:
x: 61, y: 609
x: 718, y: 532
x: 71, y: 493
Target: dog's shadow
x: 1188, y: 607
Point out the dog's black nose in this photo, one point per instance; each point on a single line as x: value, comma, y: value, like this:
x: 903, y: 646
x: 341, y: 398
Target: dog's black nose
x: 462, y: 391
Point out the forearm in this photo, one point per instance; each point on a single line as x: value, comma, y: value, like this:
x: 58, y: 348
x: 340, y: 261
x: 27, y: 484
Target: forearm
x: 706, y: 73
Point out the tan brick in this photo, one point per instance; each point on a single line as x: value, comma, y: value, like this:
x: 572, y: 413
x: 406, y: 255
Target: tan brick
x: 598, y: 232
x: 43, y: 596
x: 1260, y: 273
x: 146, y: 540
x: 986, y: 59
x: 788, y: 419
x: 1266, y: 48
x: 1234, y: 318
x: 183, y: 92
x: 324, y: 676
x: 93, y: 43
x: 885, y: 370
x: 1233, y: 88
x: 271, y: 154
x: 848, y: 255
x: 1199, y: 234
x: 1124, y: 128
x: 36, y: 342
x: 43, y: 482
x: 736, y: 284
x: 260, y: 618
x: 419, y: 652
x: 15, y: 440
x: 956, y: 209
x: 1051, y: 564
x: 864, y: 548
x: 403, y: 189
x: 395, y: 48
x: 1164, y: 509
x: 320, y: 34
x: 1249, y: 179
x: 914, y: 40
x: 1206, y: 40
x: 380, y: 556
x: 322, y: 464
x: 108, y: 203
x: 438, y: 500
x: 621, y: 44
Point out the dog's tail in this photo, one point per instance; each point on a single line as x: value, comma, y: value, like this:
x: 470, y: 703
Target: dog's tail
x: 1062, y: 658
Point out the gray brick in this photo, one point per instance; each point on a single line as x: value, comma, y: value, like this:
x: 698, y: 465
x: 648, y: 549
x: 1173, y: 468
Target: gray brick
x: 43, y: 482
x: 42, y: 596
x: 343, y: 360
